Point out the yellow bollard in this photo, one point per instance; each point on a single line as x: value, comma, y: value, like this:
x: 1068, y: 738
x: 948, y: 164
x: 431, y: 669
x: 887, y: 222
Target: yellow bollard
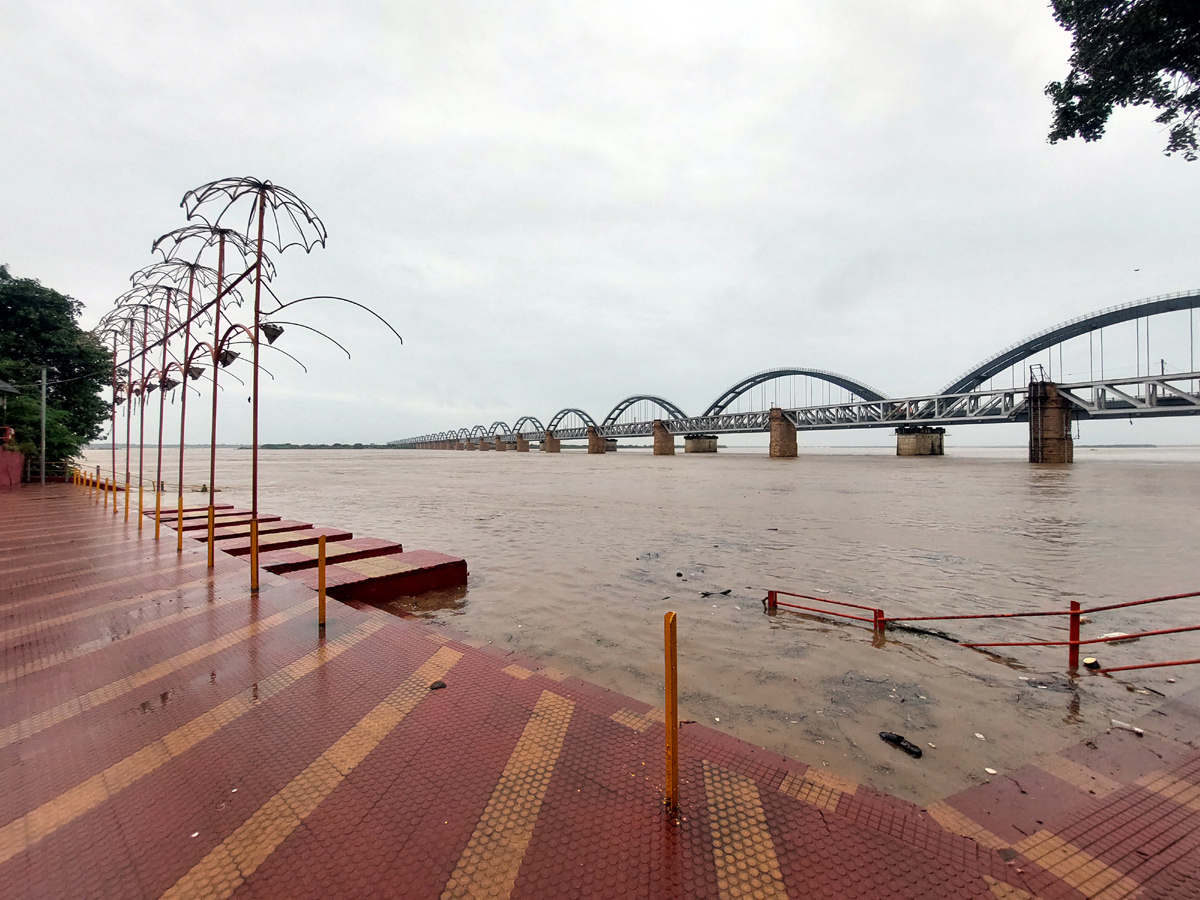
x: 321, y: 582
x: 126, y: 501
x: 141, y: 496
x: 106, y: 494
x: 672, y: 709
x: 179, y: 528
x: 254, y: 554
x: 157, y: 512
x: 212, y: 548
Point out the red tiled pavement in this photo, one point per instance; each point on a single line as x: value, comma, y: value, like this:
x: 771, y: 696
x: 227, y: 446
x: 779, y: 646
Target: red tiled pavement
x: 163, y: 733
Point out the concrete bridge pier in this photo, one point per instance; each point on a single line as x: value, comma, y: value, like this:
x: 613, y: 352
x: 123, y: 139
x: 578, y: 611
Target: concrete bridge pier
x: 920, y: 440
x: 1049, y: 425
x: 485, y: 444
x: 783, y: 435
x: 551, y: 444
x: 501, y: 443
x: 470, y: 445
x: 664, y: 441
x: 700, y: 443
x: 522, y: 444
x: 596, y: 443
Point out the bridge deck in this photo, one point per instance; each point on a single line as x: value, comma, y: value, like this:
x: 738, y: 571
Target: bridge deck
x: 164, y: 734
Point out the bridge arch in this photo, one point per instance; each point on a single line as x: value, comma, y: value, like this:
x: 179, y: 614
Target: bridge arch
x: 866, y: 392
x: 666, y: 405
x: 1080, y: 325
x: 528, y: 420
x: 498, y: 428
x: 463, y: 434
x: 563, y: 413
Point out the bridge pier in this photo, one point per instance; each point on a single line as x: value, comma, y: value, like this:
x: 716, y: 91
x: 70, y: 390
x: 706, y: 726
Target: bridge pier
x: 783, y: 435
x: 470, y: 445
x: 596, y: 443
x: 501, y: 443
x: 700, y: 443
x: 1049, y: 425
x: 551, y: 444
x: 920, y: 440
x: 664, y: 441
x: 485, y: 444
x: 610, y: 445
x: 522, y: 444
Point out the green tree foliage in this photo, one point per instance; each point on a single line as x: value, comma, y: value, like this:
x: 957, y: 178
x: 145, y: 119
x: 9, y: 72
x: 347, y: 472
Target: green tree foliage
x: 1130, y: 53
x: 38, y: 327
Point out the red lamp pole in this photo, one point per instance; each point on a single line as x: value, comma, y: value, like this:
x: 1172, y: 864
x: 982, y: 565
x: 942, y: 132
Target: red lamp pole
x: 162, y: 399
x: 262, y: 203
x: 212, y: 451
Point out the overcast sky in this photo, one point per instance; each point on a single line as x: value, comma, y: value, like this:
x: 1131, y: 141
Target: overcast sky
x: 561, y: 204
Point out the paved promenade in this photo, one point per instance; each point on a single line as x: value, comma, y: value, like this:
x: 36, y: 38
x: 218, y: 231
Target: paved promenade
x: 163, y: 733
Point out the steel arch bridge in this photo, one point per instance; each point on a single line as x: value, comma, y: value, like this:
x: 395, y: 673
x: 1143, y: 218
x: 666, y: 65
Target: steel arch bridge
x: 962, y: 401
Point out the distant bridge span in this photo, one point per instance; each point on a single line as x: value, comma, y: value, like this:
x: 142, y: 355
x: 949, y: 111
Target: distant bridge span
x: 963, y: 401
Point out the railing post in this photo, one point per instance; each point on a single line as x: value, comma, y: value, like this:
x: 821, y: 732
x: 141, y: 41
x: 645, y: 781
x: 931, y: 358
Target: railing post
x: 157, y: 511
x: 671, y: 705
x: 772, y: 601
x: 321, y: 582
x: 106, y: 495
x: 880, y: 623
x: 1073, y: 654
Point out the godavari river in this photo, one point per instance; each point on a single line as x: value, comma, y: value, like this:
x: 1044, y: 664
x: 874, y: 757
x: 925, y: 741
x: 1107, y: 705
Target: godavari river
x: 574, y: 560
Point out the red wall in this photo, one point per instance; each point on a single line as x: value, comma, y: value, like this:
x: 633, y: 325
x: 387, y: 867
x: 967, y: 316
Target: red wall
x: 10, y: 467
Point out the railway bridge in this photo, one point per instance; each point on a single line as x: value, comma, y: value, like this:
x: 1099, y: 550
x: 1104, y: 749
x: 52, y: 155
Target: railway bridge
x: 1018, y: 384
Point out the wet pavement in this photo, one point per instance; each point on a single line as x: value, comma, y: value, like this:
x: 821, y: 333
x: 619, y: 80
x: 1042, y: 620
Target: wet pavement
x: 166, y: 733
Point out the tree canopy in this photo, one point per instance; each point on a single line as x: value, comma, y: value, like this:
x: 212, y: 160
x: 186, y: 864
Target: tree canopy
x: 38, y: 327
x: 1130, y: 53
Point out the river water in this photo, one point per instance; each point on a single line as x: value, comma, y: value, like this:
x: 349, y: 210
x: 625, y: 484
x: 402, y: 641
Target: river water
x: 574, y: 559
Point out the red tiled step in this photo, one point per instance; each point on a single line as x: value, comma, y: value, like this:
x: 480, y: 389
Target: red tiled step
x: 190, y: 512
x: 304, y: 557
x: 382, y: 578
x: 237, y: 531
x: 225, y: 521
x: 278, y: 541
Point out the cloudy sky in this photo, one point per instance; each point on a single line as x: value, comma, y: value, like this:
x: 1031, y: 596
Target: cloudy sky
x: 561, y: 204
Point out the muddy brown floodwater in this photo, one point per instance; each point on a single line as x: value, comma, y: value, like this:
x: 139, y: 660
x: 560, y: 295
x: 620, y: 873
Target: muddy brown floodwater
x: 574, y: 560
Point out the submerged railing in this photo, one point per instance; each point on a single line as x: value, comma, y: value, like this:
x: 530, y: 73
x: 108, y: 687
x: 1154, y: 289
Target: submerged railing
x: 880, y: 621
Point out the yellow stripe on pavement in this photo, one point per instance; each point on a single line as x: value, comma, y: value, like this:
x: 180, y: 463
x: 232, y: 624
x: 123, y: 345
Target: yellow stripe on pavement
x: 54, y: 659
x: 236, y: 858
x: 20, y: 834
x: 743, y: 850
x: 488, y: 867
x: 76, y: 706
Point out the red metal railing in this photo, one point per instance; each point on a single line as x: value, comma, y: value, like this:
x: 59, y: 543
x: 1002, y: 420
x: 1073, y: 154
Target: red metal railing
x: 1074, y: 641
x: 876, y: 619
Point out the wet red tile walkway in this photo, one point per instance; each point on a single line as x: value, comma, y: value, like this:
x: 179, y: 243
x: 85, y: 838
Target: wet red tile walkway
x: 165, y: 734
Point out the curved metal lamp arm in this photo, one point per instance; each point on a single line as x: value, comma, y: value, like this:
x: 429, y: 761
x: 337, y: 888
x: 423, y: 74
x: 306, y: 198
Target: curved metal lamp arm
x: 288, y: 355
x: 343, y: 300
x: 317, y: 330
